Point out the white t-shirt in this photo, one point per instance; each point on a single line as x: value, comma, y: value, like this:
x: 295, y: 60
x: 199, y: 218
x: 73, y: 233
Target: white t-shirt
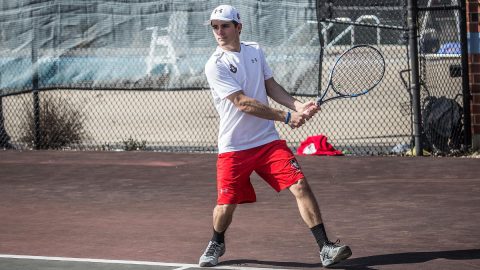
x: 228, y: 72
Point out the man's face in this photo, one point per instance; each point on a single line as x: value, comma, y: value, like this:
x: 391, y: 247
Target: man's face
x: 226, y: 33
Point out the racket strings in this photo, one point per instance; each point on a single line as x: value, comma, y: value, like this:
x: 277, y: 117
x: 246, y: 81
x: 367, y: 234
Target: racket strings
x: 357, y: 71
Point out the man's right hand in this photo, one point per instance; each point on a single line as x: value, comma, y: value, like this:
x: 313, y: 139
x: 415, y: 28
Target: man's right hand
x: 306, y: 111
x: 297, y: 119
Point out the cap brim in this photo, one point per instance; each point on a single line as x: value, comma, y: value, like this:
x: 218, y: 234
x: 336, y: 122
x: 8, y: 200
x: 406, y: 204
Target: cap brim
x: 218, y: 19
x: 207, y: 22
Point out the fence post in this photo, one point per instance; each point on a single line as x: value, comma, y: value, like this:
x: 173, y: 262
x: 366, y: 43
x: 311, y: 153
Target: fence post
x: 4, y: 138
x: 321, y: 40
x: 3, y: 133
x: 473, y: 29
x: 412, y: 15
x: 465, y: 76
x: 36, y: 99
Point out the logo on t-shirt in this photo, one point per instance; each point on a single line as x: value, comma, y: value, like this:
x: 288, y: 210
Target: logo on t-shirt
x: 233, y: 68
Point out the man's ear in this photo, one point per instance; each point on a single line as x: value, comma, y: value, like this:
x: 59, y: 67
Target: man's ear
x: 239, y: 28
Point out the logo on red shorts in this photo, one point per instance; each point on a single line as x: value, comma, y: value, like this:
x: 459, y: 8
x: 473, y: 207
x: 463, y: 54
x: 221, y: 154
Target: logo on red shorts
x: 294, y: 164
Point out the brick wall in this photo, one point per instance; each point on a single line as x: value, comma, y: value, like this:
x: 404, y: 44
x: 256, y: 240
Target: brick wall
x: 473, y: 32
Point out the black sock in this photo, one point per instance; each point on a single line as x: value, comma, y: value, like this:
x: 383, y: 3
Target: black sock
x: 218, y: 237
x: 319, y: 234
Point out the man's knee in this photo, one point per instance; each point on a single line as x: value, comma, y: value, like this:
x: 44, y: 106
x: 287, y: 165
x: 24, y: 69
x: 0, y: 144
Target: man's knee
x: 300, y: 188
x: 225, y: 209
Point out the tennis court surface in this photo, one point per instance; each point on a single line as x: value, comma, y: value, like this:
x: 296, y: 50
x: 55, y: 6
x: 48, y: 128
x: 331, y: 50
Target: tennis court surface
x: 147, y: 210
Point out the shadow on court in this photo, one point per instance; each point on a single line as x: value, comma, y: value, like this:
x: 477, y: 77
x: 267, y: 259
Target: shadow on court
x: 371, y: 262
x: 280, y: 264
x: 410, y: 258
x: 394, y: 212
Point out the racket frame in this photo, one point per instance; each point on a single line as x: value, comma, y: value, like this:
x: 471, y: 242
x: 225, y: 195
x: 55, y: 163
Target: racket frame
x: 320, y: 99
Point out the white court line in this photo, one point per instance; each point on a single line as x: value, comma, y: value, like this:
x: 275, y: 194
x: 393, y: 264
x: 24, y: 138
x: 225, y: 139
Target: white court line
x: 180, y: 266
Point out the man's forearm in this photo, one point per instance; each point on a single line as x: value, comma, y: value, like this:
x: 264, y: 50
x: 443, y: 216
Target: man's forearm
x: 258, y: 109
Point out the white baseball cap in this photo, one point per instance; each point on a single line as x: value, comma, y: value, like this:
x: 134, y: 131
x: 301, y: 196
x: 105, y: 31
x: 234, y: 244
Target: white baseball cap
x: 225, y: 13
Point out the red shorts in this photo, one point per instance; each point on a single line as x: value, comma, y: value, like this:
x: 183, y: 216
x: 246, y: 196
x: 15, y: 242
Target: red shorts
x: 274, y: 162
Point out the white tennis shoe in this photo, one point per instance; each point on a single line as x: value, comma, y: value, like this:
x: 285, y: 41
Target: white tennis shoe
x: 333, y: 253
x: 213, y: 251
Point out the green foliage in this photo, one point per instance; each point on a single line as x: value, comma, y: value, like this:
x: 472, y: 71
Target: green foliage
x: 132, y: 145
x: 60, y: 125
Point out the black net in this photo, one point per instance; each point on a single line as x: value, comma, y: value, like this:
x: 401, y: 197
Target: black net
x: 159, y: 45
x: 126, y: 75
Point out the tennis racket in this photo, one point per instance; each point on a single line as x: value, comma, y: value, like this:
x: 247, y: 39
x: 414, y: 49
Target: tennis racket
x: 355, y: 72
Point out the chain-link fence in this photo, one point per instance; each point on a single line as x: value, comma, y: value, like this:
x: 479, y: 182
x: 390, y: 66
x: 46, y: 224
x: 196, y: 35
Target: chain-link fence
x: 108, y: 75
x: 441, y: 76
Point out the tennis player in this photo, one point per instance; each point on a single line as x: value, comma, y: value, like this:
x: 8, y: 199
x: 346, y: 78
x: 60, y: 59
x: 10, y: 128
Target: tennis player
x: 240, y: 81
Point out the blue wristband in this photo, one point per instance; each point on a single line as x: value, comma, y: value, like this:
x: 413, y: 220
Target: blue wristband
x: 287, y: 119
